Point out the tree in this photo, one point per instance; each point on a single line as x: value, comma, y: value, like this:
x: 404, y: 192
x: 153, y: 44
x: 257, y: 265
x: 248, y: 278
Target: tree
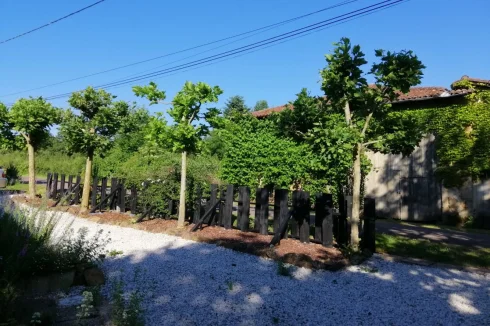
x: 261, y: 105
x: 92, y: 131
x: 235, y: 107
x: 189, y: 127
x: 7, y: 138
x: 32, y: 118
x: 365, y: 106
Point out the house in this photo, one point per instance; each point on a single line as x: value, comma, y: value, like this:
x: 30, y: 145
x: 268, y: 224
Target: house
x: 406, y: 188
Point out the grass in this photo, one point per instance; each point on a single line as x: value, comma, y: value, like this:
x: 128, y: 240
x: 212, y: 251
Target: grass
x: 40, y: 188
x: 440, y: 227
x: 432, y: 251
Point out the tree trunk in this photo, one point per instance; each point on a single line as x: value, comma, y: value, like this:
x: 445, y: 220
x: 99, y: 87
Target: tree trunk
x: 183, y: 177
x: 86, y: 183
x: 32, y: 170
x: 356, y: 199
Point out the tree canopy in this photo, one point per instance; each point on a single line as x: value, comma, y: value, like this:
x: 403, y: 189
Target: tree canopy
x: 261, y: 105
x: 235, y: 107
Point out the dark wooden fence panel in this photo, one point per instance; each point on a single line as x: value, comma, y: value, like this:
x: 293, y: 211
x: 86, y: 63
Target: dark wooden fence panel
x: 94, y: 191
x: 54, y: 186
x: 262, y: 215
x: 243, y: 208
x: 212, y: 202
x: 324, y: 219
x: 301, y: 208
x: 121, y: 203
x: 197, y: 205
x: 228, y: 207
x: 48, y: 185
x: 280, y: 209
x: 79, y: 189
x: 103, y: 191
x: 112, y: 204
x: 62, y: 185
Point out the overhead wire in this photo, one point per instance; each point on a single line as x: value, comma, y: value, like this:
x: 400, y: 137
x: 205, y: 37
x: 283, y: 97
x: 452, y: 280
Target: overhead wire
x: 253, y: 32
x: 260, y: 44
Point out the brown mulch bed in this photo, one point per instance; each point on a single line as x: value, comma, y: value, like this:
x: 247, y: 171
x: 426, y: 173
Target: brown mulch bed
x: 290, y: 251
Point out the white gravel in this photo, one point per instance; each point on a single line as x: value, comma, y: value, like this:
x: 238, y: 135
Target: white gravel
x: 190, y: 283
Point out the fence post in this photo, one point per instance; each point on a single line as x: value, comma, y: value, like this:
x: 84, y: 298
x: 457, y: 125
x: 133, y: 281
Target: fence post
x: 228, y: 208
x: 280, y: 209
x: 48, y: 185
x: 324, y: 219
x: 70, y: 187
x: 94, y: 191
x: 303, y: 216
x: 77, y: 193
x: 112, y: 204
x: 221, y: 206
x: 264, y: 211
x: 134, y: 198
x: 294, y: 221
x: 369, y: 234
x: 62, y: 185
x: 122, y: 197
x: 243, y: 208
x: 54, y: 186
x: 212, y: 202
x: 342, y: 221
x: 197, y: 205
x: 257, y: 209
x: 103, y: 191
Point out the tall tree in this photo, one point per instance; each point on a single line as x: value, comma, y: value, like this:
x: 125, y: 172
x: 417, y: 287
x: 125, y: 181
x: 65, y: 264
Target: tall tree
x: 365, y: 108
x: 189, y: 127
x: 32, y: 118
x: 261, y: 105
x: 235, y: 107
x: 93, y: 129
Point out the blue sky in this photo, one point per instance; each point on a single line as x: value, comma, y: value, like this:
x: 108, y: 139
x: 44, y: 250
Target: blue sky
x: 449, y: 36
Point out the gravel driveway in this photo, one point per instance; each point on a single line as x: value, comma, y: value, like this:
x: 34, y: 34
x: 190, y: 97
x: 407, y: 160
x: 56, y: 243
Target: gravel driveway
x: 189, y: 283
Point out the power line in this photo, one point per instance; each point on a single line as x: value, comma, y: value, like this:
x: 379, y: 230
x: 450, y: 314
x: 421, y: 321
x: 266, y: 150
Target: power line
x: 253, y: 32
x: 53, y: 22
x: 260, y: 44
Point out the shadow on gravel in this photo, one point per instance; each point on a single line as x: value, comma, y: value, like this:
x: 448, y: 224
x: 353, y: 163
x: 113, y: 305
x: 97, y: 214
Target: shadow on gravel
x: 201, y: 284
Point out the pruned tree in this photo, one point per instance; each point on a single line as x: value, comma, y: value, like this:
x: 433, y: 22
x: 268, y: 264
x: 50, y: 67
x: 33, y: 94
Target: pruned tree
x: 189, y: 126
x: 366, y: 107
x: 261, y: 105
x: 32, y: 118
x: 93, y: 129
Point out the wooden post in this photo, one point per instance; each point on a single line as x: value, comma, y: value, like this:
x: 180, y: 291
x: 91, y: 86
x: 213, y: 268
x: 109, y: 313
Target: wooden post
x: 77, y: 192
x: 94, y: 191
x: 243, y: 208
x: 324, y: 219
x: 62, y: 185
x: 303, y: 216
x: 280, y: 209
x: 258, y: 210
x: 221, y: 207
x: 48, y: 185
x: 296, y: 206
x: 369, y: 234
x: 70, y: 186
x: 122, y: 197
x: 341, y: 229
x: 197, y: 205
x: 112, y: 204
x: 211, y: 220
x: 264, y: 211
x: 54, y: 186
x: 103, y: 191
x: 228, y: 208
x: 134, y: 198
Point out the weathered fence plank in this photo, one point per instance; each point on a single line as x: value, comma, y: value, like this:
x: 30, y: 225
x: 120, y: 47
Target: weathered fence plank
x: 112, y: 204
x: 197, y: 205
x: 48, y: 185
x: 264, y: 211
x: 280, y: 208
x: 303, y: 216
x: 54, y: 186
x: 369, y: 234
x: 62, y: 185
x: 76, y: 198
x: 94, y: 191
x: 70, y: 187
x: 228, y: 208
x: 134, y: 199
x: 324, y: 219
x: 243, y: 208
x: 121, y: 203
x: 103, y: 191
x: 213, y: 200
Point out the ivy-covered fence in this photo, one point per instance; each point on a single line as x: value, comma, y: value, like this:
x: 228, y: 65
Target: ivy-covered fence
x: 283, y: 214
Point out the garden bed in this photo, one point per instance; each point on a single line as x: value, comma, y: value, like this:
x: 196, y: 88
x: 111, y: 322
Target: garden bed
x: 290, y: 251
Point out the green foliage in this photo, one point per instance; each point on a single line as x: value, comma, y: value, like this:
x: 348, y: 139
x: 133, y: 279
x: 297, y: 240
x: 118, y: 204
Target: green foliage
x: 261, y: 105
x: 12, y: 174
x: 86, y: 308
x: 32, y: 118
x: 235, y: 107
x: 98, y: 121
x: 47, y: 160
x: 151, y: 92
x: 257, y: 157
x: 7, y: 138
x: 126, y: 313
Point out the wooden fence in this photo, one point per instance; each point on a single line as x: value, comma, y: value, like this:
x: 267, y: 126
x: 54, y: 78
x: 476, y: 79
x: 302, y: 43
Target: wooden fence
x: 281, y: 215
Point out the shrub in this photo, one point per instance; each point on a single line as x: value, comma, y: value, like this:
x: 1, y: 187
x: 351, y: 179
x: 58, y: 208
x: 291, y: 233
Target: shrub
x: 12, y: 174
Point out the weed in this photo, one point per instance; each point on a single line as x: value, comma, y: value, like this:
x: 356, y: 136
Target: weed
x: 282, y: 269
x: 126, y: 313
x: 114, y: 253
x: 230, y: 285
x: 86, y: 309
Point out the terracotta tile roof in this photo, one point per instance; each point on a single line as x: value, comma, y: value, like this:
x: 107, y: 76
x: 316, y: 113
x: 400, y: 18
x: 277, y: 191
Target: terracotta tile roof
x: 415, y: 94
x: 481, y: 82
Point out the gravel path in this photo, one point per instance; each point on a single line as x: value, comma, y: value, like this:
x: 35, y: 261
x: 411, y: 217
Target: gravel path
x: 189, y: 283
